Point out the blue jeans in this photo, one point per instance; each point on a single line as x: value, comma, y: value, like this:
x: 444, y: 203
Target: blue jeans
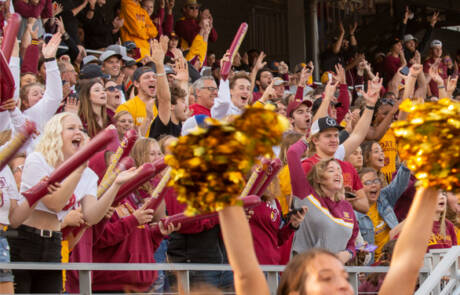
x: 5, y: 274
x: 220, y: 279
x: 161, y: 284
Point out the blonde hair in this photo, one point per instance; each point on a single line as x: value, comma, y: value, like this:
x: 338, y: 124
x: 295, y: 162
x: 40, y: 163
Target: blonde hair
x: 316, y: 175
x: 289, y: 138
x: 50, y: 144
x: 139, y: 153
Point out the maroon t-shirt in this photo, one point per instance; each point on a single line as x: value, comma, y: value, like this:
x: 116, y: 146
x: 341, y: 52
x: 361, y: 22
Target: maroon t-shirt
x: 438, y: 241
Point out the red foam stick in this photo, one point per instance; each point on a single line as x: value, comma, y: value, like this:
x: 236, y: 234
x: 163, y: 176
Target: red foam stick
x: 237, y: 40
x: 6, y: 81
x: 148, y: 171
x: 19, y: 139
x: 260, y: 175
x: 248, y: 203
x: 39, y: 190
x: 270, y: 173
x: 11, y: 32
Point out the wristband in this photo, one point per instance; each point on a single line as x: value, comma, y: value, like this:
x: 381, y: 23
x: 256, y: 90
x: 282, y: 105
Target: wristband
x: 441, y: 87
x: 49, y: 59
x: 161, y: 74
x: 370, y: 107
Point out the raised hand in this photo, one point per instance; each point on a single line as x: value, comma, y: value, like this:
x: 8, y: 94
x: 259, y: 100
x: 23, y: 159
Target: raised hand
x: 157, y: 53
x: 72, y: 105
x: 415, y: 70
x: 353, y: 28
x: 177, y: 53
x: 340, y: 74
x: 117, y: 23
x: 164, y: 43
x: 373, y: 91
x: 283, y: 68
x: 171, y: 4
x: 407, y: 14
x: 341, y: 28
x: 434, y: 18
x: 260, y: 63
x: 60, y: 24
x: 181, y: 69
x: 49, y: 50
x: 268, y: 93
x: 434, y: 74
x: 451, y: 84
x: 331, y: 86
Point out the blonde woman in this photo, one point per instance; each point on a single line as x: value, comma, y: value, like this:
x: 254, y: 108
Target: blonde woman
x: 124, y: 122
x: 443, y: 234
x: 39, y: 236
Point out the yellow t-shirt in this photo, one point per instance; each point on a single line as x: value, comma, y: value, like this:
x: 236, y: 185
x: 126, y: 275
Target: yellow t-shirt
x: 457, y: 231
x: 136, y: 107
x: 388, y: 144
x: 381, y: 230
x: 285, y: 186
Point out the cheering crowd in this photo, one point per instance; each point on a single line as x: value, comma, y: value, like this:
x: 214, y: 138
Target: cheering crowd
x: 342, y: 196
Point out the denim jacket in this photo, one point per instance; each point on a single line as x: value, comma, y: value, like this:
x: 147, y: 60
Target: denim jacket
x: 385, y: 204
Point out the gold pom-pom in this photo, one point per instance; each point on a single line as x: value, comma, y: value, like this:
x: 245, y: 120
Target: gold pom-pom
x: 209, y: 165
x: 429, y: 140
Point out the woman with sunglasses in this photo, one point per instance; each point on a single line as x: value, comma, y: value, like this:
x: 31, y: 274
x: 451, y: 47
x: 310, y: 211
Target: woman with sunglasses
x: 380, y: 220
x: 114, y: 95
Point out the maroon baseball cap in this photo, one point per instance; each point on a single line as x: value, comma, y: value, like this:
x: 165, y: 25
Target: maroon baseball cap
x: 293, y: 105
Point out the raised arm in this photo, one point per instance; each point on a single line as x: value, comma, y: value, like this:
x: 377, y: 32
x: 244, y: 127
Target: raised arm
x: 411, y: 246
x: 163, y: 93
x: 299, y: 184
x: 328, y: 94
x: 338, y: 44
x: 236, y: 234
x: 397, y: 186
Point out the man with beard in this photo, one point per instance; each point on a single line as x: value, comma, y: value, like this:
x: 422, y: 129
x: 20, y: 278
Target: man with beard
x: 142, y: 107
x: 264, y: 78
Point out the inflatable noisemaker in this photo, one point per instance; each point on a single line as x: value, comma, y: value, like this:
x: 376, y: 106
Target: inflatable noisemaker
x: 125, y: 164
x: 39, y: 190
x: 123, y: 150
x: 248, y: 203
x: 148, y: 171
x: 157, y: 195
x: 271, y: 171
x: 237, y: 40
x: 259, y: 175
x: 10, y: 34
x: 18, y: 140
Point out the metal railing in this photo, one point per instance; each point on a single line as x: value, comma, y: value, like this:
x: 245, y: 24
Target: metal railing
x: 444, y: 273
x: 438, y: 264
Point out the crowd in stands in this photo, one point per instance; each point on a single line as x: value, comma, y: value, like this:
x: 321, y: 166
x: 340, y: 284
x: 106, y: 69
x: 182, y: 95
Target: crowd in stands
x: 342, y: 186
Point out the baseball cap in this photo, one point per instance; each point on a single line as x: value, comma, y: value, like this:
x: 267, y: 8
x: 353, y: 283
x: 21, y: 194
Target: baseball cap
x: 293, y: 105
x: 129, y: 45
x: 436, y: 43
x: 140, y: 71
x: 90, y: 59
x: 191, y: 2
x: 278, y: 81
x: 409, y: 37
x: 192, y: 123
x: 323, y: 124
x: 121, y: 50
x: 129, y: 61
x: 108, y: 54
x: 169, y: 70
x: 173, y: 35
x: 91, y: 71
x: 317, y: 103
x: 395, y: 40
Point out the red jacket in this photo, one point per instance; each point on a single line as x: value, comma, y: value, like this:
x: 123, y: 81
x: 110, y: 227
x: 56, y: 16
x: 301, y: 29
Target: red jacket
x: 198, y: 109
x: 124, y: 241
x: 267, y: 233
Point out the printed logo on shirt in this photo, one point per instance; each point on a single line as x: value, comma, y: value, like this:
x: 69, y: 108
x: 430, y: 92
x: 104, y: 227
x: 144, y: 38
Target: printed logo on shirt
x: 274, y: 213
x: 438, y: 239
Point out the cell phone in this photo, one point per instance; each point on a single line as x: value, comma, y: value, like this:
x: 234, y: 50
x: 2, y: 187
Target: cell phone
x: 359, y: 87
x: 404, y: 71
x: 293, y: 212
x: 350, y: 196
x: 329, y: 76
x: 368, y: 247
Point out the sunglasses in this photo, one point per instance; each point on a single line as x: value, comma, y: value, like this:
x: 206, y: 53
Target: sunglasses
x: 114, y: 88
x: 387, y: 101
x: 193, y: 7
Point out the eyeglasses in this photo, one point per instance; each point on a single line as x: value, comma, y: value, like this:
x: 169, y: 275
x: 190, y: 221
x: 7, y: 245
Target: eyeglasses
x: 193, y: 7
x: 370, y: 182
x: 114, y: 88
x: 387, y: 101
x: 212, y: 89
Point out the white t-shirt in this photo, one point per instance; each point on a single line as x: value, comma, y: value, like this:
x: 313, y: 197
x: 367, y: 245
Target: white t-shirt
x: 8, y: 190
x: 340, y: 153
x: 36, y: 167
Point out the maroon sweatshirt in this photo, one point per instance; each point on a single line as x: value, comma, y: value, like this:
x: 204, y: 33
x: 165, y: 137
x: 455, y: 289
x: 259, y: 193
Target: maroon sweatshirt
x: 124, y: 241
x: 438, y: 241
x: 269, y: 232
x: 43, y: 9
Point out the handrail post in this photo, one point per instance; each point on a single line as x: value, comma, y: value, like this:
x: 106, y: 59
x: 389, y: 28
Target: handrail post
x: 85, y: 281
x: 272, y: 280
x: 183, y: 279
x: 354, y: 281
